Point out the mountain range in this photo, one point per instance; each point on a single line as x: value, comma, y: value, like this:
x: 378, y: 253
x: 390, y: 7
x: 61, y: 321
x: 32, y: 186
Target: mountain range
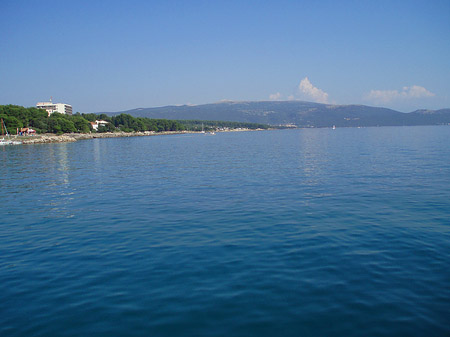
x: 298, y: 113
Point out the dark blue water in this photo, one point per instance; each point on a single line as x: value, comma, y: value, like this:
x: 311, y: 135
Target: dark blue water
x: 320, y: 232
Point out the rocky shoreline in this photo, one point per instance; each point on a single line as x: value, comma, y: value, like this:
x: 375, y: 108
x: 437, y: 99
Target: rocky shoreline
x: 73, y: 137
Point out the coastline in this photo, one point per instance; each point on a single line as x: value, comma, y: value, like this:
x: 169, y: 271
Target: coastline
x: 73, y: 137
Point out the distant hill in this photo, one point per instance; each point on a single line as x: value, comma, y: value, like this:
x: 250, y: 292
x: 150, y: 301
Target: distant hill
x: 299, y: 113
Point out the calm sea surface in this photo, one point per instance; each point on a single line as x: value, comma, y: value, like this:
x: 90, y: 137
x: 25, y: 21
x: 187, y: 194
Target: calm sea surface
x: 314, y: 232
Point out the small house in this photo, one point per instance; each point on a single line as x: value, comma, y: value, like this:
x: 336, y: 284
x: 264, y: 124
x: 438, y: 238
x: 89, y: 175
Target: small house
x: 96, y: 124
x: 26, y: 131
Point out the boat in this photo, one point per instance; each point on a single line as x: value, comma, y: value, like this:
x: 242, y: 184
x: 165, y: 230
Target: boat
x: 334, y: 127
x: 7, y: 140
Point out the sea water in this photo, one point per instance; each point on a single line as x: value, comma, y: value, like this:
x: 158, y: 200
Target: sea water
x: 312, y: 232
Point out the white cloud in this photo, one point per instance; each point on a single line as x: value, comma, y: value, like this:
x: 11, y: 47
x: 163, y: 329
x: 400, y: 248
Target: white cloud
x: 275, y: 97
x: 311, y: 92
x: 386, y: 96
x: 417, y: 92
x: 305, y: 91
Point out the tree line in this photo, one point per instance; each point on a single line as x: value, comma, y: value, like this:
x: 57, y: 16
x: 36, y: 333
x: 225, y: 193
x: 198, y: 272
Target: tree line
x: 197, y: 125
x: 17, y: 117
x: 128, y: 123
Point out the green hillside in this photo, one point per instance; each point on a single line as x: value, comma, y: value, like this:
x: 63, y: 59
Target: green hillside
x: 301, y: 114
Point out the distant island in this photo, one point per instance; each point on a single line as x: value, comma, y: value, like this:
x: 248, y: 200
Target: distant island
x: 295, y: 113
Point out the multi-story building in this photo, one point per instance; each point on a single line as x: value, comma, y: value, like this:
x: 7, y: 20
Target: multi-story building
x: 51, y: 107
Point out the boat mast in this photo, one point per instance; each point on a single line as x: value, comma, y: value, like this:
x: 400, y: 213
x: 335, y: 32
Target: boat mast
x: 4, y: 126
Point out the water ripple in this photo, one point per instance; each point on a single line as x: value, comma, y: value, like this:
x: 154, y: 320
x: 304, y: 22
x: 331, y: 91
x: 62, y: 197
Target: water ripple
x: 294, y: 232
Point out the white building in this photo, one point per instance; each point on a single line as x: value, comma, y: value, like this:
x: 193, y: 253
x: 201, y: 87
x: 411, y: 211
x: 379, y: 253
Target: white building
x: 55, y: 107
x: 96, y: 124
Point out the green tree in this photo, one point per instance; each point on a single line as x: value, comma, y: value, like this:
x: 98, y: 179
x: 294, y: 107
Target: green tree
x: 80, y: 124
x: 11, y: 123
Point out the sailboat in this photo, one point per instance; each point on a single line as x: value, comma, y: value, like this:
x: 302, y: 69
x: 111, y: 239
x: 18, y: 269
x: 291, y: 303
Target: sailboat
x: 207, y: 133
x: 8, y: 140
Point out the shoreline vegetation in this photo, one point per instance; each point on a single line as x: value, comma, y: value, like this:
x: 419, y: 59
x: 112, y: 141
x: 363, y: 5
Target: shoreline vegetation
x: 34, y: 126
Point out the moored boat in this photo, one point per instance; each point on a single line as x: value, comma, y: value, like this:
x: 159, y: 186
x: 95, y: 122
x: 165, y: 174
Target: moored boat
x: 7, y: 140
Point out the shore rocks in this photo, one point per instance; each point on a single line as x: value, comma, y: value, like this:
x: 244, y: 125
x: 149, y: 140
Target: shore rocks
x: 48, y: 139
x: 73, y: 137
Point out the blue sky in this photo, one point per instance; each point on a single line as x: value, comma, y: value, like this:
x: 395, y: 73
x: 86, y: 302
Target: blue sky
x: 118, y: 55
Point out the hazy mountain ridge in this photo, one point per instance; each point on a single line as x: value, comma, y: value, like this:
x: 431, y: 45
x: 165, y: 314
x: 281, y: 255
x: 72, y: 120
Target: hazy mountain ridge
x: 300, y: 113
